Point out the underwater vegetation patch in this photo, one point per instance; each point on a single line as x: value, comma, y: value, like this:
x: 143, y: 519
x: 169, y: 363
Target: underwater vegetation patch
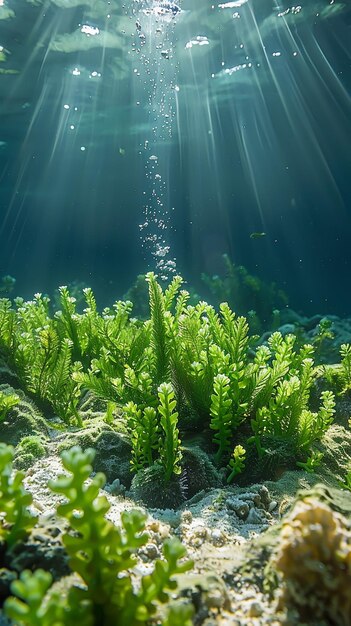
x: 183, y: 400
x: 186, y: 371
x: 246, y: 294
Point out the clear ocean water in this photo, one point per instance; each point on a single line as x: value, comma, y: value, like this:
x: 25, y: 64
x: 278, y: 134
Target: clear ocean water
x: 150, y: 135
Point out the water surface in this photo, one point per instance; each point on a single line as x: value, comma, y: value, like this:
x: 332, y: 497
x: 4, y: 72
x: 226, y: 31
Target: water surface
x: 150, y: 135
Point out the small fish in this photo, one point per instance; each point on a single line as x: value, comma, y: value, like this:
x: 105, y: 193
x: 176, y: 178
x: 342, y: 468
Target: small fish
x: 257, y: 235
x: 122, y: 151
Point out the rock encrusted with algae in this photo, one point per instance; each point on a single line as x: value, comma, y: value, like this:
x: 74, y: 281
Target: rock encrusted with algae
x: 314, y: 559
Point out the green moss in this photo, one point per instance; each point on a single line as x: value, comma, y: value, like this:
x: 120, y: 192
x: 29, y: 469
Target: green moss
x: 198, y: 471
x: 84, y: 437
x: 150, y: 487
x: 23, y: 420
x: 29, y: 450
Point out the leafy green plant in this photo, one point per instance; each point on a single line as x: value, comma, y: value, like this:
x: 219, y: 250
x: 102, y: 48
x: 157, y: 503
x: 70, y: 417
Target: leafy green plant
x: 143, y: 426
x: 170, y: 452
x: 158, y: 328
x: 7, y: 283
x: 33, y: 606
x: 7, y: 323
x: 221, y: 380
x: 347, y: 480
x: 109, y: 415
x: 40, y: 358
x: 345, y: 367
x: 179, y: 614
x: 324, y: 332
x: 154, y: 434
x: 313, y: 461
x: 83, y: 330
x: 287, y: 416
x: 236, y: 463
x: 7, y: 401
x: 124, y: 368
x: 160, y: 303
x: 100, y: 552
x: 221, y: 412
x: 15, y: 518
x: 102, y: 555
x: 338, y: 375
x: 245, y: 293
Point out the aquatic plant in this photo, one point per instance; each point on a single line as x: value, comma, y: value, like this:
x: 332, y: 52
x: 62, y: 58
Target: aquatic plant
x: 154, y: 434
x: 179, y: 614
x: 246, y: 294
x: 31, y: 344
x: 15, y: 518
x: 102, y: 555
x: 143, y: 427
x: 7, y: 401
x: 138, y: 294
x: 123, y: 369
x: 7, y: 283
x: 345, y: 367
x: 287, y: 417
x: 160, y: 303
x: 82, y: 330
x: 170, y: 453
x: 236, y: 463
x: 35, y: 603
x: 219, y: 379
x: 323, y: 333
x: 221, y: 413
x: 312, y: 462
x: 346, y: 484
x: 338, y: 375
x: 7, y: 323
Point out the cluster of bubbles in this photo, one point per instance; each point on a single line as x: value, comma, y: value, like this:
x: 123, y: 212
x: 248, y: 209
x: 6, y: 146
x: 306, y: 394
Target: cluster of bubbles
x: 155, y: 73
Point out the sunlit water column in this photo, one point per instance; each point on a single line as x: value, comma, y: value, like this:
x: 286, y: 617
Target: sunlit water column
x: 155, y: 87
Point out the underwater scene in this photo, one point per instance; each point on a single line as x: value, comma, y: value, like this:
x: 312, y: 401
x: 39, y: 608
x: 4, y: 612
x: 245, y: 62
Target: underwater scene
x: 175, y: 313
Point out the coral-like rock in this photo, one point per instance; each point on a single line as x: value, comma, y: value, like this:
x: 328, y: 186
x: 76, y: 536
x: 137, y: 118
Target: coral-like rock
x: 314, y: 559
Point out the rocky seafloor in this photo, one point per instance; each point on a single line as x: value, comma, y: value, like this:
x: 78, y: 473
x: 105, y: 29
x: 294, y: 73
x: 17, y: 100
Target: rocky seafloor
x: 233, y: 534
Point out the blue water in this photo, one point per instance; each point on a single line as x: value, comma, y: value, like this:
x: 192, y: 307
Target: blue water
x: 150, y: 135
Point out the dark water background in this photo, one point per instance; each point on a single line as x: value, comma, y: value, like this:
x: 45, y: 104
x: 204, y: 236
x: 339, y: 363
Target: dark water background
x: 265, y: 147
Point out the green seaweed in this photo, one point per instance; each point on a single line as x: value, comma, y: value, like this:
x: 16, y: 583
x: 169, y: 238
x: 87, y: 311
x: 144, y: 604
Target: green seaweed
x: 15, y: 518
x: 158, y: 328
x: 7, y: 401
x: 143, y: 427
x: 246, y: 294
x: 345, y: 367
x: 236, y: 463
x: 221, y: 413
x: 221, y: 381
x: 101, y: 555
x: 170, y: 454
